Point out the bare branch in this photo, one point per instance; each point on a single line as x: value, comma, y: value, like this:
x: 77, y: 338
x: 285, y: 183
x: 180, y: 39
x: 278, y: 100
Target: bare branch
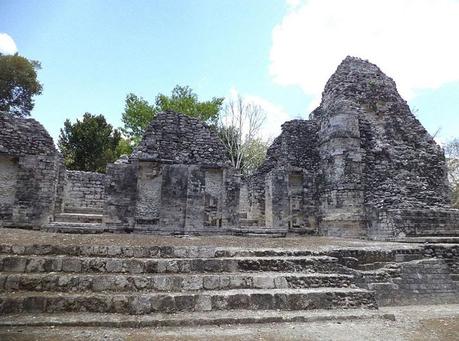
x: 239, y: 126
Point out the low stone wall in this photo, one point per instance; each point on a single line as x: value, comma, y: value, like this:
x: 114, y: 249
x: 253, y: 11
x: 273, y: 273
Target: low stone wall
x: 449, y: 253
x: 84, y: 191
x: 425, y: 281
x: 393, y: 223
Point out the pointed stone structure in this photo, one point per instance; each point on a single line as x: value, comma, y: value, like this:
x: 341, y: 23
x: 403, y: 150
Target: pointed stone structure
x: 178, y: 181
x: 29, y: 170
x: 364, y: 165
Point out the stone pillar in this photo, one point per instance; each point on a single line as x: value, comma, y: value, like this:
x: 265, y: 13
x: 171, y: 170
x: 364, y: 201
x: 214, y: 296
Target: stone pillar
x: 296, y: 201
x: 35, y: 190
x: 230, y: 209
x: 277, y: 200
x: 194, y: 219
x: 8, y: 179
x: 120, y: 196
x: 148, y: 203
x: 174, y: 198
x: 342, y: 196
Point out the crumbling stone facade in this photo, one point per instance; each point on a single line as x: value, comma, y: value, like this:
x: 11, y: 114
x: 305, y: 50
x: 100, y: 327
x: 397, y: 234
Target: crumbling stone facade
x: 29, y: 168
x: 178, y: 180
x: 361, y: 166
x: 281, y: 193
x: 368, y: 167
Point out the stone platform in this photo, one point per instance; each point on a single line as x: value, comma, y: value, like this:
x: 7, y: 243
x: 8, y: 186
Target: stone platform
x: 143, y: 279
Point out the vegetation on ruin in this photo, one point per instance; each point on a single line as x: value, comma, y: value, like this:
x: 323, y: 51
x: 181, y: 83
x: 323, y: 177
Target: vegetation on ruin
x: 238, y: 122
x: 452, y: 158
x: 138, y: 112
x: 136, y: 117
x: 239, y: 129
x: 89, y: 144
x: 18, y: 84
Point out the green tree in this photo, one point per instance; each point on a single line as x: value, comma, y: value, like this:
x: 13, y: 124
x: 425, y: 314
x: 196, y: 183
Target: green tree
x: 89, y: 144
x: 185, y: 101
x: 18, y: 84
x: 452, y: 159
x: 124, y: 147
x: 255, y: 155
x: 138, y: 112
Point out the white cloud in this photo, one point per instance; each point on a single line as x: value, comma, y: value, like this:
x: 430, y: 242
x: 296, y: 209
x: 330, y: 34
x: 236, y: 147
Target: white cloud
x: 413, y: 41
x: 293, y: 3
x: 275, y: 115
x: 7, y: 44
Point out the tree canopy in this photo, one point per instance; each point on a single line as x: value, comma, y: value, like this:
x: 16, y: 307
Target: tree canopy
x: 89, y: 144
x: 18, y: 84
x: 138, y: 112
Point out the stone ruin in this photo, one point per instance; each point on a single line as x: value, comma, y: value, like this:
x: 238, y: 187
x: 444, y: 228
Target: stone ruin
x: 361, y: 166
x: 29, y: 169
x: 177, y: 181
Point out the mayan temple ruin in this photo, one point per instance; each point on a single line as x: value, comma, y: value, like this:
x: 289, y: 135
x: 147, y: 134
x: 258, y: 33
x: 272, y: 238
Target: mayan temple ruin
x: 361, y: 166
x: 361, y: 176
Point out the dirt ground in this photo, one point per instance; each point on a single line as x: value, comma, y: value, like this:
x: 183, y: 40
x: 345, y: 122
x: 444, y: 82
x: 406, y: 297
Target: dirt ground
x: 313, y: 243
x: 412, y: 323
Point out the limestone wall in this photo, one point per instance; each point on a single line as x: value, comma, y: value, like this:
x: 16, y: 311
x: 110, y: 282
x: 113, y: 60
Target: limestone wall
x: 121, y: 195
x: 8, y: 179
x: 29, y: 171
x: 405, y: 222
x: 292, y: 155
x: 35, y: 191
x: 24, y: 136
x: 176, y: 138
x: 425, y: 281
x: 84, y: 191
x: 178, y: 181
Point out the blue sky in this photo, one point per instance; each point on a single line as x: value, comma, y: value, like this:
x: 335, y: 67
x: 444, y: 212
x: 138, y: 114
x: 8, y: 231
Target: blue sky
x: 94, y: 52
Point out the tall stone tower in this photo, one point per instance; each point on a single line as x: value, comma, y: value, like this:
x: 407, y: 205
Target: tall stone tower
x: 368, y: 167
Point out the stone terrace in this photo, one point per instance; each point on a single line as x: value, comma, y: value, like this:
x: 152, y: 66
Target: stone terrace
x: 211, y: 280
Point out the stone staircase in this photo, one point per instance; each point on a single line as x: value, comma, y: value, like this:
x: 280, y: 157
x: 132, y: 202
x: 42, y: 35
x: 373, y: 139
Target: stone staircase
x: 73, y: 220
x: 402, y: 277
x: 158, y: 285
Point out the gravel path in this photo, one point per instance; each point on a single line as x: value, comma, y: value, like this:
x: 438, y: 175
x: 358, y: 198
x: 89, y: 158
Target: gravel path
x: 313, y: 243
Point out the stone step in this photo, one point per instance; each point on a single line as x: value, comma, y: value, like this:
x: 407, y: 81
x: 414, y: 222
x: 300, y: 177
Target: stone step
x: 447, y: 238
x: 146, y: 251
x: 39, y: 263
x: 58, y: 282
x: 248, y: 222
x: 84, y: 210
x: 75, y: 227
x: 78, y: 218
x: 189, y: 319
x: 377, y: 276
x: 138, y: 304
x: 371, y: 266
x: 259, y: 231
